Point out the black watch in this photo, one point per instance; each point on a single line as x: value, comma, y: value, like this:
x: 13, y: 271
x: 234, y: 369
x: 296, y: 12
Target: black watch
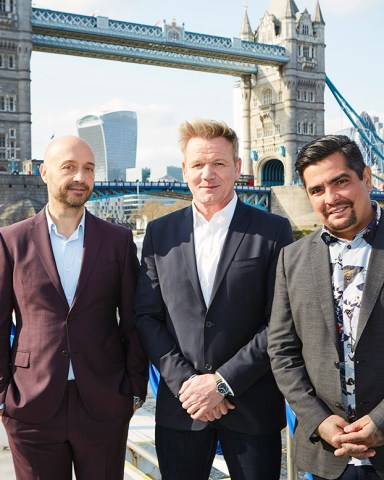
x: 221, y: 386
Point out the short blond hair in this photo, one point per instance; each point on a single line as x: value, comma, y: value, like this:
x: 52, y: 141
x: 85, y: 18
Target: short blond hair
x: 208, y: 129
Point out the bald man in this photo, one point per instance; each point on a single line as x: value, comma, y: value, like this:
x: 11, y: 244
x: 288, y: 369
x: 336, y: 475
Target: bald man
x: 76, y: 370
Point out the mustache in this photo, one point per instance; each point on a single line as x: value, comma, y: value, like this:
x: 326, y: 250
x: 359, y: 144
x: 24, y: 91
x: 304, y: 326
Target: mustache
x: 77, y: 184
x: 341, y: 204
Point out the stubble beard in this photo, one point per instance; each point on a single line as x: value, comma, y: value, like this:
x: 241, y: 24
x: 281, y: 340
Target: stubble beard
x: 70, y: 201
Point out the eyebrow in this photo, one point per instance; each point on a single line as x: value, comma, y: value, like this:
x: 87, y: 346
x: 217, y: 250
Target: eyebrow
x: 331, y: 181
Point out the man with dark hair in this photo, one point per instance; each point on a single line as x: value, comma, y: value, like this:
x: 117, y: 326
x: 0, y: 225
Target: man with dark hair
x: 202, y: 310
x: 327, y: 331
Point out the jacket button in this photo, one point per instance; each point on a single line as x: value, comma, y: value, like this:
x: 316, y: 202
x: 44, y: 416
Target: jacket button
x: 209, y: 324
x: 339, y: 405
x: 65, y: 353
x: 208, y: 366
x: 337, y: 365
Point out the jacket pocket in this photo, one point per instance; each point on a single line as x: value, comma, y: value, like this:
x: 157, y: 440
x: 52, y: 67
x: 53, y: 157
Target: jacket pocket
x: 22, y: 359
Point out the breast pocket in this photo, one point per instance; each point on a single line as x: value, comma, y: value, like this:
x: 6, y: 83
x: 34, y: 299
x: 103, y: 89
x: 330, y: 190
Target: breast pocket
x: 247, y: 263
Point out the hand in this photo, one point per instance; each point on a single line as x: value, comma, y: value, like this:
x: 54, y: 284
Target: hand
x: 198, y: 395
x: 221, y: 409
x: 330, y: 427
x: 358, y: 439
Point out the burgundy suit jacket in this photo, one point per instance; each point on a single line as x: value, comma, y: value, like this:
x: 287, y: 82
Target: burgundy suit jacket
x: 96, y: 333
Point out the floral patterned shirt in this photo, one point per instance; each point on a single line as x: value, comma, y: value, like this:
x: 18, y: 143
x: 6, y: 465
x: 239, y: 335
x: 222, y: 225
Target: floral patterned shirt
x: 349, y: 262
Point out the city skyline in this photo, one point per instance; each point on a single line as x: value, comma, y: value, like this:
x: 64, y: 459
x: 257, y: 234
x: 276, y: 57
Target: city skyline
x: 65, y: 88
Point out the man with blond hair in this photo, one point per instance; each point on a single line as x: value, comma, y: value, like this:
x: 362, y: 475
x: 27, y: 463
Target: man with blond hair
x: 202, y: 310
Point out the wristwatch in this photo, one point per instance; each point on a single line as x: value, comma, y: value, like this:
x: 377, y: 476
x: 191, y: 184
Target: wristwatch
x: 221, y: 386
x: 138, y: 402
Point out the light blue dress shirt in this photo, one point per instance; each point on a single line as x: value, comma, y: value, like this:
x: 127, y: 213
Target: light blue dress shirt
x: 68, y: 253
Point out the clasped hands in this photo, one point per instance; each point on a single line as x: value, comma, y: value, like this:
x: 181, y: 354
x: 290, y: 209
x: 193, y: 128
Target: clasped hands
x: 200, y: 399
x: 358, y: 439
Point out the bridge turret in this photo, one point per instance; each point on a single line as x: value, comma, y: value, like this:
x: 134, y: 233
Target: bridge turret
x: 287, y: 102
x: 15, y: 54
x: 246, y: 32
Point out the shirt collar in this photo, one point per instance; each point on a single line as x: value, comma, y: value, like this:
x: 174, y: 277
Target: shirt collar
x: 368, y: 233
x: 52, y: 226
x: 225, y: 214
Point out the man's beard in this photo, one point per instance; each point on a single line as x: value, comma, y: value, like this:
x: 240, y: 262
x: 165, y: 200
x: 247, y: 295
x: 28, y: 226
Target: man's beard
x: 71, y: 201
x: 346, y: 223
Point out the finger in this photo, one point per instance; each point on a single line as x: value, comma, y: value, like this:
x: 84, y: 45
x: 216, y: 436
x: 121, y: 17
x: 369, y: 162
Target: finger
x: 341, y: 452
x: 351, y: 449
x: 229, y: 405
x: 185, y: 385
x: 350, y: 438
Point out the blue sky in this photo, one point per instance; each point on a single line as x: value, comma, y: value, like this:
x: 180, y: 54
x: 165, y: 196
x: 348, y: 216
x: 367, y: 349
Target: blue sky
x: 64, y: 88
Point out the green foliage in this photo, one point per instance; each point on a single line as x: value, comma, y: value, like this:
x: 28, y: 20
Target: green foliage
x: 301, y: 233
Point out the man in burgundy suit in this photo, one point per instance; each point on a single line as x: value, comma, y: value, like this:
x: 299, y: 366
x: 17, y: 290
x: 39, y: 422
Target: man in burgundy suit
x: 76, y: 370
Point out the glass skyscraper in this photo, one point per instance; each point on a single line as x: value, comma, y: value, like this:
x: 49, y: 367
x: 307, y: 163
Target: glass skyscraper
x: 113, y: 139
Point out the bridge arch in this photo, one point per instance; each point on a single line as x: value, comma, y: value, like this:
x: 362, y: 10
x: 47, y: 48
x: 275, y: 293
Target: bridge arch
x: 271, y: 171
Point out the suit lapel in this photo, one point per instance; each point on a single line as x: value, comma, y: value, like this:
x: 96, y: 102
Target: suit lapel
x: 374, y: 280
x: 321, y: 274
x: 187, y: 243
x: 236, y: 232
x: 93, y: 238
x: 42, y: 241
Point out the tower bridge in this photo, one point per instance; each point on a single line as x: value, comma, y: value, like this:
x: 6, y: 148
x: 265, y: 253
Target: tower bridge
x: 170, y: 45
x: 280, y: 67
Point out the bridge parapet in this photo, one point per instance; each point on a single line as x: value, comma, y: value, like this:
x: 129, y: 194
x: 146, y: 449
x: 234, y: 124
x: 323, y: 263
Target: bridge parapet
x: 53, y: 29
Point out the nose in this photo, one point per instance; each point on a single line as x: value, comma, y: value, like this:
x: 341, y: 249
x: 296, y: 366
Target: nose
x: 331, y: 196
x: 79, y: 176
x: 208, y: 172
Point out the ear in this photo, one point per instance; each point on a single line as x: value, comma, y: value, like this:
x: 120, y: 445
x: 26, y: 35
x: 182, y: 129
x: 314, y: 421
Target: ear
x: 238, y: 167
x: 43, y: 172
x: 184, y: 169
x: 367, y: 178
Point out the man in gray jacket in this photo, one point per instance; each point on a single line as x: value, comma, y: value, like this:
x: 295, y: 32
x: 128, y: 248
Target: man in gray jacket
x: 327, y: 327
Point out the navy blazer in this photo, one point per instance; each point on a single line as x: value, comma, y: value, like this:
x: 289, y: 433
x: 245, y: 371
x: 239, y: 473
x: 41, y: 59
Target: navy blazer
x: 183, y: 336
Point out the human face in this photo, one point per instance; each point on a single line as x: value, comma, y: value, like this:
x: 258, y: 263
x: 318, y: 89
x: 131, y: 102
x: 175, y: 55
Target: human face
x: 211, y: 171
x: 69, y: 172
x: 338, y: 196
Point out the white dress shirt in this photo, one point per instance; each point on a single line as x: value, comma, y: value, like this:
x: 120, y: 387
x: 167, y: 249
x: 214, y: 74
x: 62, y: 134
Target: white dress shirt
x: 209, y: 238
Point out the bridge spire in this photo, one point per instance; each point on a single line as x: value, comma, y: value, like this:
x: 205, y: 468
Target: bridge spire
x: 281, y: 9
x: 317, y: 15
x: 246, y: 32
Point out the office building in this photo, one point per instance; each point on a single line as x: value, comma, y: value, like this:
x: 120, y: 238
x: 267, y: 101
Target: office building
x: 113, y: 139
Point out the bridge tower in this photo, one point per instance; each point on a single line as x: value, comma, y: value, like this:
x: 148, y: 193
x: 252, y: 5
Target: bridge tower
x: 15, y: 104
x: 283, y: 107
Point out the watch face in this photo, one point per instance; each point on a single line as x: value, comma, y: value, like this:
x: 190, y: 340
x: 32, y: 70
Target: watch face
x: 222, y: 388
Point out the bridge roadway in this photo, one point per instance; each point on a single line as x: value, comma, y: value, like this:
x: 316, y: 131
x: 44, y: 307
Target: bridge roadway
x: 256, y: 196
x: 170, y: 45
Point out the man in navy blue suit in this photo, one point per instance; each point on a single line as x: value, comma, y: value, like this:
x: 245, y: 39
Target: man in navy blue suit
x: 202, y: 310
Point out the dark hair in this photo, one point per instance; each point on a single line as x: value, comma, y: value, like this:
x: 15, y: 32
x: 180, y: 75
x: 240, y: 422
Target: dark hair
x: 322, y: 147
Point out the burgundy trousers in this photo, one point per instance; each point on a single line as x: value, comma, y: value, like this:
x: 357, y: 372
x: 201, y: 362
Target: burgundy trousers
x: 71, y: 439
